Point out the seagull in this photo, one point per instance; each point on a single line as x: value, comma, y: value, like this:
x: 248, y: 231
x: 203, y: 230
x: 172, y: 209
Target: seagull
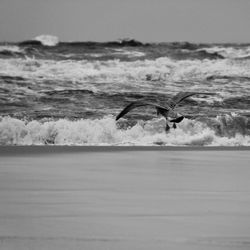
x: 166, y: 111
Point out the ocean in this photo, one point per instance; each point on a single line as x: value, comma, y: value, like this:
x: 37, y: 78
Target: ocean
x: 69, y: 93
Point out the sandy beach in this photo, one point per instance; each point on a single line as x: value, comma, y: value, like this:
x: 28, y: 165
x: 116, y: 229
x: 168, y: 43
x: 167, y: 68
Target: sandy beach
x: 124, y: 198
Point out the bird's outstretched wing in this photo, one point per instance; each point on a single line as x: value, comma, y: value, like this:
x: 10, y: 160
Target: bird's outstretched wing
x: 134, y: 105
x: 183, y: 95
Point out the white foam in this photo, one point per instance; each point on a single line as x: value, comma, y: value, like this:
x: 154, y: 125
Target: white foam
x: 163, y: 73
x: 96, y: 55
x: 161, y: 68
x: 47, y: 40
x: 128, y: 53
x: 106, y: 132
x: 11, y: 48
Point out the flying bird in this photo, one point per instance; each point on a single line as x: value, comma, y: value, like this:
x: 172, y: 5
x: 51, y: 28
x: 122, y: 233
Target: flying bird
x: 166, y: 111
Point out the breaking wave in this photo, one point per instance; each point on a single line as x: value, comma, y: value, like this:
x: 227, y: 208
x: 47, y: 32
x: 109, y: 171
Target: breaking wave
x: 11, y: 48
x: 11, y: 51
x: 163, y: 68
x: 47, y: 40
x: 219, y: 131
x: 228, y: 52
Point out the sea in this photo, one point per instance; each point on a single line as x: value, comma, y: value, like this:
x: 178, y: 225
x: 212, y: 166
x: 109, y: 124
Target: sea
x: 69, y: 93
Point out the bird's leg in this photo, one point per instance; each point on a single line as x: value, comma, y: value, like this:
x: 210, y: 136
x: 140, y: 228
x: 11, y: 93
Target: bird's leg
x: 174, y: 125
x: 167, y: 127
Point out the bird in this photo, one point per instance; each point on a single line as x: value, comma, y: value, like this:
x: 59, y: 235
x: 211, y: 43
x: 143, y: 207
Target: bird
x: 166, y: 111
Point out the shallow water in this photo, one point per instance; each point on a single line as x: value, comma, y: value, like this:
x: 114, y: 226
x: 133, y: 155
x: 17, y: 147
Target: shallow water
x: 84, y: 199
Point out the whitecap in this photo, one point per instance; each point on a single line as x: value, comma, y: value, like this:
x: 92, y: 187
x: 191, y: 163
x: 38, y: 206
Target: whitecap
x: 106, y: 131
x: 47, y: 40
x: 161, y: 74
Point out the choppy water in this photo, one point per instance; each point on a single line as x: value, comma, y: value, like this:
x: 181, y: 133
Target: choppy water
x: 69, y: 93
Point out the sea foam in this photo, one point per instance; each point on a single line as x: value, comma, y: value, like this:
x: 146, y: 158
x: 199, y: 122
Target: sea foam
x: 163, y: 68
x: 162, y: 74
x: 106, y: 131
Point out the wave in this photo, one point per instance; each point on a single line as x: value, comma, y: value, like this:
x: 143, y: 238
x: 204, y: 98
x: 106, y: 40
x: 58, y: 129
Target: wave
x: 41, y: 40
x: 11, y: 48
x: 183, y: 45
x: 47, y: 40
x: 221, y: 131
x: 176, y: 50
x: 10, y: 51
x: 197, y: 54
x: 128, y: 53
x: 30, y: 43
x: 119, y: 43
x: 242, y: 52
x: 161, y: 69
x: 50, y: 47
x: 50, y: 40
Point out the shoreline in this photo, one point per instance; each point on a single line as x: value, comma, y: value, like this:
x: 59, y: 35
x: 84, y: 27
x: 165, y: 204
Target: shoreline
x: 36, y: 149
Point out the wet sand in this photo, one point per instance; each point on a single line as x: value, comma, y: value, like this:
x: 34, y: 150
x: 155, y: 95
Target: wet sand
x: 124, y: 198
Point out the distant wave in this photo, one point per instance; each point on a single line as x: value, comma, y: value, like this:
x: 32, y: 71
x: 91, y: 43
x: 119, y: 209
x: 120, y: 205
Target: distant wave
x: 49, y: 47
x: 242, y: 52
x: 41, y: 40
x: 118, y: 43
x: 30, y: 43
x: 10, y: 51
x: 12, y: 48
x: 47, y: 40
x: 219, y: 131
